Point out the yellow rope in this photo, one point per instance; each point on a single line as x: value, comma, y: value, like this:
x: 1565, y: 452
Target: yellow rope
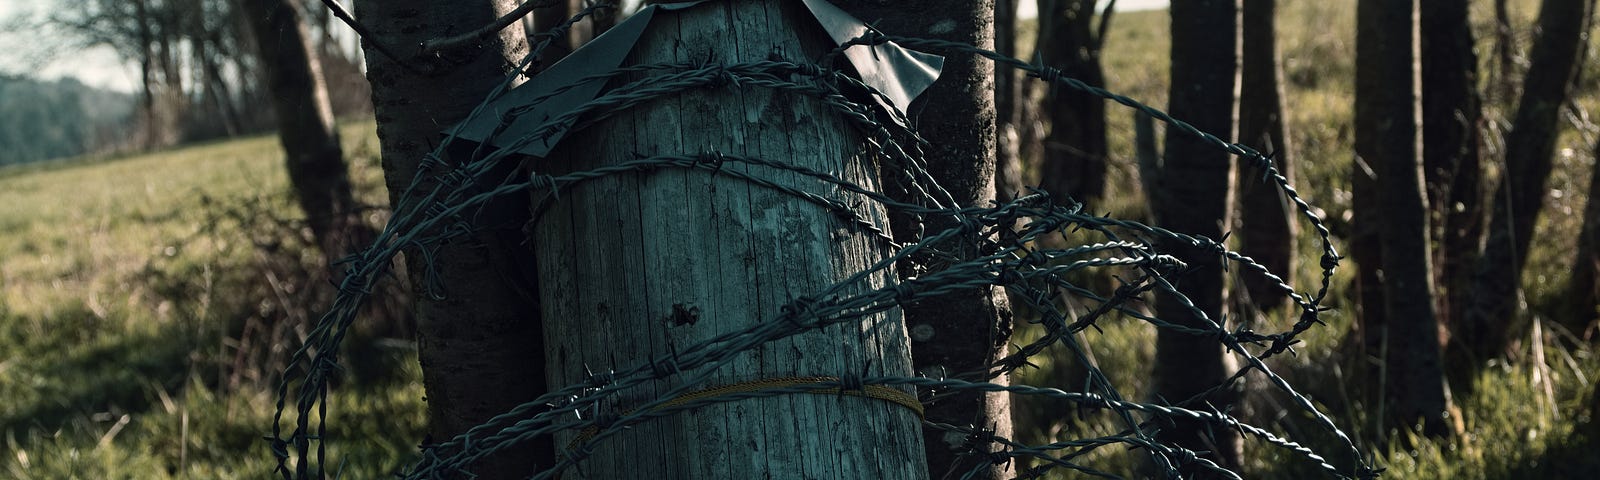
x: 822, y: 387
x: 868, y: 391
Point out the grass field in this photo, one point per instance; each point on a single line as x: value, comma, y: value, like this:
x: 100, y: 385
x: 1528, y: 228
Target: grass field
x: 126, y: 285
x: 1521, y: 421
x: 142, y: 299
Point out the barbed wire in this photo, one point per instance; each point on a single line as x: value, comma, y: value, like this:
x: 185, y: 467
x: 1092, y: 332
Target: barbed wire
x: 443, y: 201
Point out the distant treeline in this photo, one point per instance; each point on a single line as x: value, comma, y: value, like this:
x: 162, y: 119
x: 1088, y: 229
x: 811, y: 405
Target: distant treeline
x: 42, y: 120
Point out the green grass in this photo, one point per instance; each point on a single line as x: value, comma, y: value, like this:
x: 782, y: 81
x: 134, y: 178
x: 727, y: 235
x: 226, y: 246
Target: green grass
x: 129, y: 283
x: 1520, y: 424
x: 126, y: 286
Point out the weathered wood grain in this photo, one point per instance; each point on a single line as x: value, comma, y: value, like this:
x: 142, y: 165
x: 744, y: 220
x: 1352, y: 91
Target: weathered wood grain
x: 635, y: 265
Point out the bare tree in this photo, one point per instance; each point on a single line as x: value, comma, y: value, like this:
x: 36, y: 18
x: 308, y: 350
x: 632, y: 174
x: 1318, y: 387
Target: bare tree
x: 180, y: 47
x: 597, y: 23
x: 1492, y: 311
x: 1008, y: 99
x: 479, y: 331
x: 1505, y: 48
x: 545, y: 21
x: 1195, y: 196
x: 1389, y: 140
x: 1451, y: 138
x: 306, y: 127
x: 1075, y: 159
x: 1266, y: 217
x: 1583, y: 293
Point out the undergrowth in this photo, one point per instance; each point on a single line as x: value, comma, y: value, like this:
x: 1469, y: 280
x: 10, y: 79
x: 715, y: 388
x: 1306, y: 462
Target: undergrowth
x: 148, y: 304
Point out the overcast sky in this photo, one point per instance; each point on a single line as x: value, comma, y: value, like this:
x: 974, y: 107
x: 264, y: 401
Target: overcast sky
x: 100, y: 67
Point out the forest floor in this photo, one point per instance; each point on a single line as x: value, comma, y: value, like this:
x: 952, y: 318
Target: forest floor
x: 141, y: 297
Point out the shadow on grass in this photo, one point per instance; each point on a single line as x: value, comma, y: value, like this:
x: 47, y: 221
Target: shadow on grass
x: 1574, y: 458
x: 69, y: 369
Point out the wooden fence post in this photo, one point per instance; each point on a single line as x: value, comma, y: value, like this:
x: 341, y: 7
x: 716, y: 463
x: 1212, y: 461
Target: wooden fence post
x: 638, y: 265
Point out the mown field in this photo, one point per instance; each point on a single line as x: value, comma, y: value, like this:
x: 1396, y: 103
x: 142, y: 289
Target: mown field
x: 146, y: 303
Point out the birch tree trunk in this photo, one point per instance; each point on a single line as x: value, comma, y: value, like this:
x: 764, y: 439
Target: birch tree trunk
x: 633, y: 267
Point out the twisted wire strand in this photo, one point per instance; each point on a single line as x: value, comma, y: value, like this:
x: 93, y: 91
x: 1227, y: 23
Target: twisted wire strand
x: 441, y: 207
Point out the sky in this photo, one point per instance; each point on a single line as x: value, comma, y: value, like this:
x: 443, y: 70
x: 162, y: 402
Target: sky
x: 100, y: 67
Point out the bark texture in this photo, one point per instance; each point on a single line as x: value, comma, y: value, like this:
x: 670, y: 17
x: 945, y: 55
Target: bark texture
x: 479, y: 337
x: 1505, y: 46
x: 1388, y: 139
x: 1583, y: 292
x: 1366, y: 251
x: 1451, y: 139
x: 1268, y: 229
x: 1196, y: 193
x: 1492, y: 312
x: 596, y: 25
x: 642, y: 265
x: 1074, y: 160
x: 306, y: 128
x: 970, y: 328
x: 545, y: 20
x: 1008, y: 99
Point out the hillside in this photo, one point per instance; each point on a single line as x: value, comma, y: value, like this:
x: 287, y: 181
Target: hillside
x: 145, y: 302
x: 41, y: 120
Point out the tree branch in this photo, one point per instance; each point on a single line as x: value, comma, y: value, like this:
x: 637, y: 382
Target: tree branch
x: 436, y: 45
x: 361, y: 30
x: 1105, y: 25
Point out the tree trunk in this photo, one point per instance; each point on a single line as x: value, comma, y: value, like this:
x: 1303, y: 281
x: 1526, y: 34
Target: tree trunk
x: 171, y: 61
x: 970, y: 328
x: 643, y: 264
x: 306, y: 128
x: 480, y: 337
x: 596, y: 24
x: 1388, y: 138
x: 217, y: 88
x: 147, y: 78
x: 1505, y: 47
x: 1147, y: 155
x: 1583, y: 293
x: 212, y: 89
x: 1196, y: 196
x: 544, y: 21
x: 1366, y: 250
x: 1451, y: 139
x: 1592, y: 427
x: 1074, y: 160
x: 1007, y: 99
x: 1266, y: 216
x: 1491, y: 314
